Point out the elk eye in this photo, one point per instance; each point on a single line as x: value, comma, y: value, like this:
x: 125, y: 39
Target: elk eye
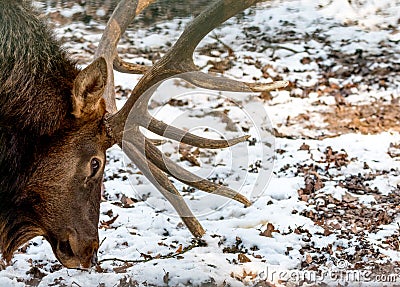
x: 95, y: 166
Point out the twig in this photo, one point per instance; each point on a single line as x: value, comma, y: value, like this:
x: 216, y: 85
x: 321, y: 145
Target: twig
x: 101, y: 243
x: 195, y: 243
x: 230, y: 50
x: 277, y: 47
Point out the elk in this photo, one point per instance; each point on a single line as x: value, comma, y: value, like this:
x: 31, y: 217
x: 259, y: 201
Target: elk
x: 57, y: 122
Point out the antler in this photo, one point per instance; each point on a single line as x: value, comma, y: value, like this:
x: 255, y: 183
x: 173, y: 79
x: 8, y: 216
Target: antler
x: 122, y: 16
x: 177, y: 61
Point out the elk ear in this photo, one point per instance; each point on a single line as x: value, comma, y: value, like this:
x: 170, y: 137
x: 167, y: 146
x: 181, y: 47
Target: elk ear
x: 88, y: 88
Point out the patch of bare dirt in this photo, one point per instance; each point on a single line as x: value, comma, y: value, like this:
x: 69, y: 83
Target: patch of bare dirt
x: 372, y: 118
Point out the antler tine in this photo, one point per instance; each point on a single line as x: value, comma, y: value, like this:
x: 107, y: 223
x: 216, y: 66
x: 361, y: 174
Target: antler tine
x: 122, y: 16
x: 179, y: 59
x: 171, y: 132
x: 143, y: 118
x: 162, y: 183
x: 206, y: 81
x: 129, y: 68
x: 203, y: 24
x: 181, y: 174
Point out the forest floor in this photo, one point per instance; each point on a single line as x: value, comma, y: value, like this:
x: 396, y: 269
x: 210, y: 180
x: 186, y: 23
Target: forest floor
x: 325, y: 188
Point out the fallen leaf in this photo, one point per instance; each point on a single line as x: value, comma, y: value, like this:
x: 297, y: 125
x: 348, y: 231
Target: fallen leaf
x: 166, y: 277
x: 242, y: 258
x: 268, y: 231
x: 189, y: 155
x: 308, y: 258
x: 123, y: 268
x: 304, y: 146
x: 179, y: 250
x: 106, y: 224
x: 127, y: 201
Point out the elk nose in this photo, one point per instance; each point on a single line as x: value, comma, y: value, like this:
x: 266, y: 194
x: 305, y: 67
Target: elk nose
x: 84, y: 247
x: 89, y: 254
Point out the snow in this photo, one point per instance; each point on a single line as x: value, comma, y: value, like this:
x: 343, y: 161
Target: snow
x: 151, y: 226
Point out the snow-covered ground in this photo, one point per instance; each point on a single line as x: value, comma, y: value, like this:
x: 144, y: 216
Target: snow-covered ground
x: 325, y: 199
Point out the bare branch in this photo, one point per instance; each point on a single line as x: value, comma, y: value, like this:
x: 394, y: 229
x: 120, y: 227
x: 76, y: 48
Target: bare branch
x: 195, y: 243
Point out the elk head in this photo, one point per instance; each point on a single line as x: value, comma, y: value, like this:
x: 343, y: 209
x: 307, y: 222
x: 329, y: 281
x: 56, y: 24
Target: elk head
x: 61, y: 197
x: 74, y: 164
x: 70, y: 167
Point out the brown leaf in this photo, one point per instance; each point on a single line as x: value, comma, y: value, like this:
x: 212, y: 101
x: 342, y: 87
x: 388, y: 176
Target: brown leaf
x: 242, y: 258
x: 327, y: 231
x: 188, y: 155
x: 347, y: 197
x: 166, y: 278
x: 123, y: 268
x: 179, y: 250
x: 266, y: 96
x: 249, y: 274
x: 318, y: 184
x: 354, y: 229
x: 178, y: 103
x: 106, y: 224
x: 339, y: 99
x: 264, y: 71
x: 220, y: 66
x: 304, y: 197
x: 146, y: 256
x: 268, y: 231
x: 394, y: 150
x: 304, y: 146
x: 305, y: 60
x: 312, y: 183
x: 308, y: 258
x: 127, y: 201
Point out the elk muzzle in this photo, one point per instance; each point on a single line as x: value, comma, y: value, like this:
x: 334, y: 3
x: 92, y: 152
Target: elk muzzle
x: 77, y: 250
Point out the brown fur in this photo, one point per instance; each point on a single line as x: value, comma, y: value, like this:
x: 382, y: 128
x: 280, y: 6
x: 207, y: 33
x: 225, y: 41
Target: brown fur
x: 51, y: 128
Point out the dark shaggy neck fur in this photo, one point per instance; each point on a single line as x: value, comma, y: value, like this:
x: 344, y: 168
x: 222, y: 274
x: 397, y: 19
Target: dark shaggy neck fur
x: 35, y: 98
